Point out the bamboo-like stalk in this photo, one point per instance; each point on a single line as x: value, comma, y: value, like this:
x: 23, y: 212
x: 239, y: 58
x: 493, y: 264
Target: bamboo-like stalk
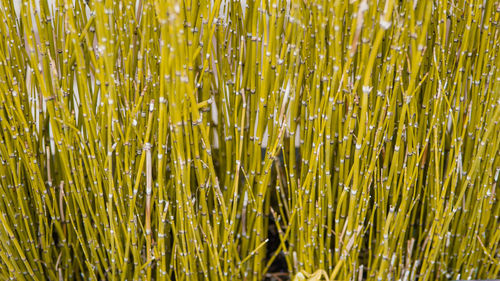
x: 229, y: 140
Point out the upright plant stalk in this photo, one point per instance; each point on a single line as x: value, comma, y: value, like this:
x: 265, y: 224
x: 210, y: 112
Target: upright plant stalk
x: 244, y: 140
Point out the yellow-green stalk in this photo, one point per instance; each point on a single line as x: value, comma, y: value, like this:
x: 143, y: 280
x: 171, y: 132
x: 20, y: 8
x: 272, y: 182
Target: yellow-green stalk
x: 245, y: 140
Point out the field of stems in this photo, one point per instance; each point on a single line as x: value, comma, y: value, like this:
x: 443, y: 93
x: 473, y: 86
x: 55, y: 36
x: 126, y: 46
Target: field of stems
x: 249, y: 140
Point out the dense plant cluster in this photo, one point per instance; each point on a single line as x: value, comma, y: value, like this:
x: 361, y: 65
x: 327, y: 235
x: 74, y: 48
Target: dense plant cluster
x: 242, y: 140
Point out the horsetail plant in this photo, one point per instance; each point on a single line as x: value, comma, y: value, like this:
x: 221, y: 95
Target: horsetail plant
x: 249, y: 140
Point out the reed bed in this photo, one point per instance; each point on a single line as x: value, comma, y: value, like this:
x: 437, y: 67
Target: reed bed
x: 244, y: 140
